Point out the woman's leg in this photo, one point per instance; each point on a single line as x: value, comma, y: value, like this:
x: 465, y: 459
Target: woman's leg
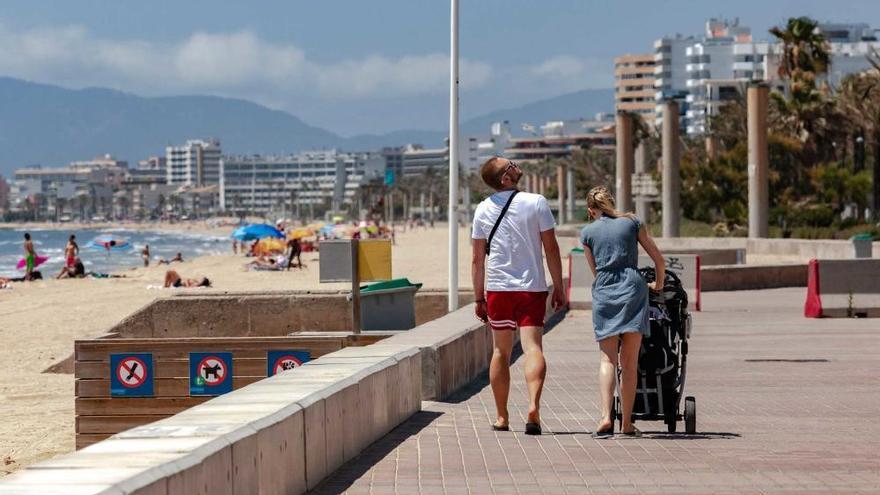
x: 629, y: 361
x: 607, y: 377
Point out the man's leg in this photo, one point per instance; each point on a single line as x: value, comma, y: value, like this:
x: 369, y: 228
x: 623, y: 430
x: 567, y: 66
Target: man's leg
x: 607, y: 377
x: 536, y: 368
x: 499, y: 373
x: 629, y: 361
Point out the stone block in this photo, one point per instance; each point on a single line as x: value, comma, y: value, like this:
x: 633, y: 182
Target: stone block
x: 211, y: 475
x: 281, y: 459
x: 245, y: 469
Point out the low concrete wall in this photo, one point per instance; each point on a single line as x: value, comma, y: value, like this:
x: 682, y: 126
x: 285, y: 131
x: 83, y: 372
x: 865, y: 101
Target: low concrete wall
x: 753, y: 277
x: 805, y: 249
x: 250, y: 314
x: 281, y: 435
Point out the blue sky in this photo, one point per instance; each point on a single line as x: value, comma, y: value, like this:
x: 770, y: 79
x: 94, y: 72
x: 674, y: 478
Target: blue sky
x: 356, y: 66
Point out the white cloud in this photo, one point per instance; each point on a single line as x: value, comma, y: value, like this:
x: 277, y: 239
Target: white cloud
x: 569, y: 72
x: 235, y: 64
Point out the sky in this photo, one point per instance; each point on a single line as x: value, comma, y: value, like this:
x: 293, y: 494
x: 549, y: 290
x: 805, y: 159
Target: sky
x: 361, y: 66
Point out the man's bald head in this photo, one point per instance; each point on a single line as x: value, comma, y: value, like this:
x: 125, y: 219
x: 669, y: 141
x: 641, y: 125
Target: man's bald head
x: 492, y: 170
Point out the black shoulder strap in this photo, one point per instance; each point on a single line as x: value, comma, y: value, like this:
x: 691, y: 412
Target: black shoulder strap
x: 498, y: 222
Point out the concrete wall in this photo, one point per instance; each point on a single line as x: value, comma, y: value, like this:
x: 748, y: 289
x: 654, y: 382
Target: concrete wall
x: 281, y: 435
x: 752, y: 277
x: 249, y: 314
x: 802, y: 248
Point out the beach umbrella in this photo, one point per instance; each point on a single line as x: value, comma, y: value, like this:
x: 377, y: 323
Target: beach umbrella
x: 105, y: 241
x: 38, y: 260
x: 256, y: 231
x: 270, y: 245
x: 300, y: 233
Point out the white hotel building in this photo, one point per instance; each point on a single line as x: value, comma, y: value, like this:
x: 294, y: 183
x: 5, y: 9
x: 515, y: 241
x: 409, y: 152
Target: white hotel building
x: 195, y: 164
x: 704, y: 73
x: 267, y: 183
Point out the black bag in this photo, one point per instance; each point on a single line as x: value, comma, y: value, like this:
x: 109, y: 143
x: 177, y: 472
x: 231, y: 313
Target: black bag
x: 498, y: 222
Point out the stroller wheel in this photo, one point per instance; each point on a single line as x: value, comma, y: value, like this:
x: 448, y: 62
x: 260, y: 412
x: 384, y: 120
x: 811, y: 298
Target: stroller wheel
x: 614, y: 413
x: 690, y: 415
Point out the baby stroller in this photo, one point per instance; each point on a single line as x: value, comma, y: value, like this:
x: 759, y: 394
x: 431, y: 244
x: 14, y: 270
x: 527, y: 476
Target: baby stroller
x: 663, y: 360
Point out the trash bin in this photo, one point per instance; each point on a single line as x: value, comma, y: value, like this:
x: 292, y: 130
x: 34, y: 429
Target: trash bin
x: 863, y: 245
x: 389, y: 305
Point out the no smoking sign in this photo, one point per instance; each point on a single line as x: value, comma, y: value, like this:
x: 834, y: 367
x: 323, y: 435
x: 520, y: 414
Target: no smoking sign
x: 210, y: 373
x: 131, y: 375
x: 281, y: 361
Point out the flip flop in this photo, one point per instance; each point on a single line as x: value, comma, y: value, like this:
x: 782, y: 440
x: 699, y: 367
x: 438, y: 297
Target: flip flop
x: 603, y: 434
x: 500, y: 428
x: 533, y: 429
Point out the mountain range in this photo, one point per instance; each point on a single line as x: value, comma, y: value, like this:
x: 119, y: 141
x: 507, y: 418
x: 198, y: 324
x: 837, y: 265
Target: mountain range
x: 51, y: 125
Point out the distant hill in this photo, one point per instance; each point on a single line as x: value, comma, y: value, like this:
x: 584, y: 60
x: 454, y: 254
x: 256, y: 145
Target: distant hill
x: 50, y: 125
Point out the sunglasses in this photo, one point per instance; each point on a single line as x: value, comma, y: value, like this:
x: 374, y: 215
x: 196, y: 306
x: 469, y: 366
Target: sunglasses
x: 510, y: 165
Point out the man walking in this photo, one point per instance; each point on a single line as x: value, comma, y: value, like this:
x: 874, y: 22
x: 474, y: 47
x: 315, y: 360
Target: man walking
x: 510, y: 229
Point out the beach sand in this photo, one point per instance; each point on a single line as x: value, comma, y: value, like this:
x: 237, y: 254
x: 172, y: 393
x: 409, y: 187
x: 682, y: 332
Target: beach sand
x: 39, y: 322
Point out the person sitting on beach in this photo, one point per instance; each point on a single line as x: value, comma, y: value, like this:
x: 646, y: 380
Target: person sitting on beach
x: 178, y: 258
x: 78, y: 270
x: 173, y: 279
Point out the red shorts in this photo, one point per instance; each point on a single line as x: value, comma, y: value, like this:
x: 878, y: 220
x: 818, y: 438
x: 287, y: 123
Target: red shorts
x: 509, y: 310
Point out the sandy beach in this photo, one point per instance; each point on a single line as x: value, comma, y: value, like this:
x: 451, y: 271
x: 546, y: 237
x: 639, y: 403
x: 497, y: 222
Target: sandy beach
x: 39, y: 322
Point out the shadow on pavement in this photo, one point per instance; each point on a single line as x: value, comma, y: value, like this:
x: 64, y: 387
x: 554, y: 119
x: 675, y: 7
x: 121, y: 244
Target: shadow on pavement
x: 656, y: 435
x: 482, y: 380
x: 352, y: 470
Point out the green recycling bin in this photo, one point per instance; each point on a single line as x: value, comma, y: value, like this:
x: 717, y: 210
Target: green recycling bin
x: 863, y: 245
x: 389, y: 305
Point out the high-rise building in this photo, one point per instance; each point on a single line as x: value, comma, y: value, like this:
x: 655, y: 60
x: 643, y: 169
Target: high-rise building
x: 634, y: 85
x: 196, y: 163
x: 670, y: 75
x: 4, y: 193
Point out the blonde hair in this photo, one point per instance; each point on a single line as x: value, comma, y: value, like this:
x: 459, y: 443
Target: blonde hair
x: 600, y: 198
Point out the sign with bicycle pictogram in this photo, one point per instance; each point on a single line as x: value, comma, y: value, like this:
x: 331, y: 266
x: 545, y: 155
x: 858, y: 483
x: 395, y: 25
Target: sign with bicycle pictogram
x: 210, y: 373
x: 281, y: 361
x: 131, y: 375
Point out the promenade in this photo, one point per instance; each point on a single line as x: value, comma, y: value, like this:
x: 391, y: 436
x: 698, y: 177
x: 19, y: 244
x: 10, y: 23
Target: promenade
x: 785, y: 405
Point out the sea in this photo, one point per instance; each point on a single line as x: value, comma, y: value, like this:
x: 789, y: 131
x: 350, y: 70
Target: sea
x: 51, y: 243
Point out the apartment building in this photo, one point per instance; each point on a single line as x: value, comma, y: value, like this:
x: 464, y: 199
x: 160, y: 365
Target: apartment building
x: 634, y: 85
x: 196, y: 163
x: 315, y: 179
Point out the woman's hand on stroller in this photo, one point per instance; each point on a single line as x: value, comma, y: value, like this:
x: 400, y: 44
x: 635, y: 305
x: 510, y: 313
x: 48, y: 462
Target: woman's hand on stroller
x: 653, y: 286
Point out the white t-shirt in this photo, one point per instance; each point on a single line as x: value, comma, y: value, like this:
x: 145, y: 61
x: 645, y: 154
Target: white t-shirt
x: 515, y: 259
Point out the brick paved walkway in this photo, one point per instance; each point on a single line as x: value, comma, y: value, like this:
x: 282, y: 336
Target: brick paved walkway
x: 774, y: 426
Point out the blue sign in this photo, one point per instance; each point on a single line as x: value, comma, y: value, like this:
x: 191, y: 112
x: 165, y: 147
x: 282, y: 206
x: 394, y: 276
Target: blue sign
x: 389, y: 177
x: 210, y: 373
x: 280, y: 361
x: 131, y: 375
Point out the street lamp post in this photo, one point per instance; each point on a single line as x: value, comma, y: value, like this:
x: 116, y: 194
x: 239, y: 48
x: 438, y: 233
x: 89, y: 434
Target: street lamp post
x: 453, y: 157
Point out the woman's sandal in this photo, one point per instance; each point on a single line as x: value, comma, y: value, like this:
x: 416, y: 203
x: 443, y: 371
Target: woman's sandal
x: 636, y: 433
x: 497, y: 427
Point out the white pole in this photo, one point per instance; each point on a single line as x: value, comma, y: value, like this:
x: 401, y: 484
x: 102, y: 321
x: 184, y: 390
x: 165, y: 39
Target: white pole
x: 453, y: 157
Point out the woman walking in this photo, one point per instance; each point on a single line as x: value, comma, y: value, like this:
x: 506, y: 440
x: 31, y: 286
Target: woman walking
x: 620, y: 300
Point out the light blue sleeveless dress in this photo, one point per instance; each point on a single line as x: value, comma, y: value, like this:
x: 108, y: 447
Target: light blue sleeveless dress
x: 620, y: 294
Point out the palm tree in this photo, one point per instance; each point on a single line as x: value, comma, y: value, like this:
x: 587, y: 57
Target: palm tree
x: 859, y: 100
x: 805, y: 56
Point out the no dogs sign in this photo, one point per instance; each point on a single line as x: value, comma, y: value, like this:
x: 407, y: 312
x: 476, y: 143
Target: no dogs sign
x: 210, y: 373
x: 281, y: 361
x: 131, y: 375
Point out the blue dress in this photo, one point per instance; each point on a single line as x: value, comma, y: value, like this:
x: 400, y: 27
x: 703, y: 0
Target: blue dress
x: 620, y: 294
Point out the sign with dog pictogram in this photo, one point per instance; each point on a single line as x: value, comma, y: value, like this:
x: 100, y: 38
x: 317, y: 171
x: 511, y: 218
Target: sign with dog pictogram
x: 280, y: 361
x: 210, y: 373
x: 131, y: 375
